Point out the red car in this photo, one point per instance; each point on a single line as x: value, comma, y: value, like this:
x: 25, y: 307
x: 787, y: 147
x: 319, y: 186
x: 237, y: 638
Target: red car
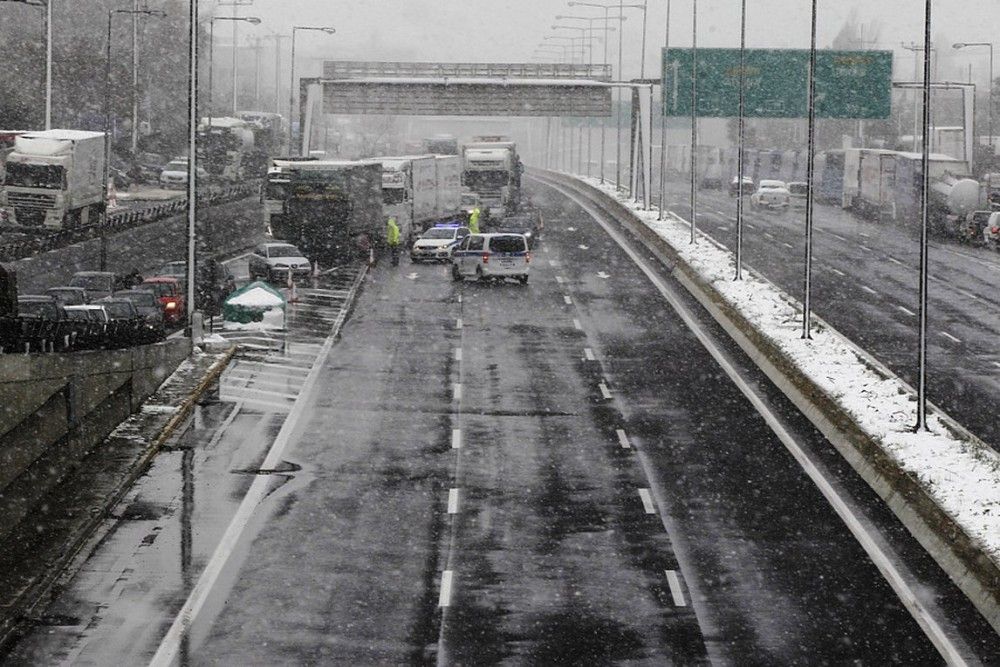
x: 170, y: 294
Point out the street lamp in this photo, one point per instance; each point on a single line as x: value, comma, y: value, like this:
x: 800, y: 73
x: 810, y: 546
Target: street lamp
x: 45, y: 5
x: 107, y: 118
x: 989, y: 107
x: 292, y: 91
x: 253, y: 20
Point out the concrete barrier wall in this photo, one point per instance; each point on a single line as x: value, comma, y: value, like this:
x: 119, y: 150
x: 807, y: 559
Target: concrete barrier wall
x: 231, y: 227
x: 57, y: 407
x: 958, y: 554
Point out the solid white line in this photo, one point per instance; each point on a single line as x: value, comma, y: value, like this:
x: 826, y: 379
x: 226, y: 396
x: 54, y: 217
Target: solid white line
x: 456, y: 391
x: 623, y: 439
x: 869, y: 289
x: 568, y: 300
x: 456, y: 438
x: 445, y: 599
x: 604, y: 390
x: 458, y: 354
x: 907, y: 311
x: 452, y: 501
x: 950, y: 337
x: 676, y: 592
x: 647, y: 501
x: 838, y: 272
x: 458, y: 323
x: 169, y: 647
x: 588, y: 353
x: 881, y: 560
x: 577, y: 325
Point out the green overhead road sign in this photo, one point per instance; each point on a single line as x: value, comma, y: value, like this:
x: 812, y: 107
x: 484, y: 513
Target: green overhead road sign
x: 849, y: 84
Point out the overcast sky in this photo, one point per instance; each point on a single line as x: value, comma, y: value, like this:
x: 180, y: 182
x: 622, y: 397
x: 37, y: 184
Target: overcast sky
x: 509, y: 30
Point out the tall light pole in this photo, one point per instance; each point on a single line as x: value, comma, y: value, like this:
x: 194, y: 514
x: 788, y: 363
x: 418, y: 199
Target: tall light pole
x: 921, y: 424
x: 989, y: 106
x: 235, y: 4
x: 192, y: 204
x: 253, y: 20
x: 107, y: 117
x: 740, y: 142
x: 694, y: 121
x: 810, y: 155
x: 292, y: 91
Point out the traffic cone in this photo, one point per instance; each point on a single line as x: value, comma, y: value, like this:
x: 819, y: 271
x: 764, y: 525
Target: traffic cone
x: 112, y: 194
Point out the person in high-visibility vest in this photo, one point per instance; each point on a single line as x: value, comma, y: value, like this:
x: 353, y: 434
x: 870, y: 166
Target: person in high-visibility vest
x: 474, y: 221
x: 392, y: 238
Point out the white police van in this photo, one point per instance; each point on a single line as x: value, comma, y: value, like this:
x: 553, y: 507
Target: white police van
x: 492, y: 257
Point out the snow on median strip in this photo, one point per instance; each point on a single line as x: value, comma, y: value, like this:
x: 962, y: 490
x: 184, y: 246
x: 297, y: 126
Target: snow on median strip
x: 963, y: 476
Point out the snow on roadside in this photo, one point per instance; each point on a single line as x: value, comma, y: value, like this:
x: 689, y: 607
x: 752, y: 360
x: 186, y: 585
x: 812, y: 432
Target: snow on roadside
x: 962, y: 475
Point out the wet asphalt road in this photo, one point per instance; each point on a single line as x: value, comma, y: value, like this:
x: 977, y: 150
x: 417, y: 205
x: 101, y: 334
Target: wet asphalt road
x: 551, y: 474
x: 866, y: 285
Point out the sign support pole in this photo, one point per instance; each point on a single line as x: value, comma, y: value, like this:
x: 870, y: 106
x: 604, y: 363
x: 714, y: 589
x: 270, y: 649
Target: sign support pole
x: 741, y: 143
x: 694, y: 121
x: 810, y: 157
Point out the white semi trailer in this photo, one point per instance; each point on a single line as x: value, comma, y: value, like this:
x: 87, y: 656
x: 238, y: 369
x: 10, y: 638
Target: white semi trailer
x: 419, y: 190
x: 54, y: 179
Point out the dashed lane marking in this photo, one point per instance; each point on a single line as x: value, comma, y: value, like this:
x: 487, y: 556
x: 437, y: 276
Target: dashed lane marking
x: 905, y: 310
x: 452, y: 501
x: 560, y: 280
x: 604, y: 390
x: 460, y: 298
x: 867, y: 236
x: 838, y: 272
x: 997, y: 364
x: 577, y: 325
x: 865, y: 248
x: 788, y: 245
x: 458, y: 323
x: 950, y: 337
x: 458, y: 354
x: 838, y: 236
x: 456, y: 438
x: 567, y: 299
x: 676, y: 592
x: 647, y: 501
x: 895, y: 261
x: 588, y: 354
x: 456, y: 391
x: 623, y: 439
x: 445, y: 598
x: 869, y: 290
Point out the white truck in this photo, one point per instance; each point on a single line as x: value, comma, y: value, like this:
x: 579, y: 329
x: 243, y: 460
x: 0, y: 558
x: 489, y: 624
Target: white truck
x: 492, y: 169
x: 419, y: 190
x: 55, y: 179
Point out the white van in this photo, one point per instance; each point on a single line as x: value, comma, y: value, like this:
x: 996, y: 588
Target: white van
x: 492, y: 257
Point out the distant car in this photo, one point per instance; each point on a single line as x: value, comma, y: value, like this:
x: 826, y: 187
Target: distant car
x: 40, y: 307
x: 991, y: 232
x: 438, y: 242
x: 527, y: 222
x: 149, y: 308
x: 91, y: 322
x: 175, y: 174
x: 275, y: 261
x: 69, y: 296
x: 771, y: 194
x: 149, y: 166
x: 798, y: 192
x: 975, y: 224
x: 176, y: 269
x: 98, y: 284
x: 170, y: 294
x: 747, y: 189
x: 125, y: 325
x: 492, y: 257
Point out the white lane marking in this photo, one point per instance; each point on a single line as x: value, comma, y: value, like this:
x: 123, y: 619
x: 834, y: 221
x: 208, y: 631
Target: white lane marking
x: 604, y: 390
x: 867, y: 236
x: 458, y: 323
x: 623, y: 439
x: 445, y: 598
x: 865, y: 248
x: 869, y: 289
x: 588, y: 354
x: 560, y: 280
x: 950, y: 337
x: 603, y: 275
x: 907, y: 311
x: 456, y: 391
x: 458, y: 354
x: 554, y: 262
x: 545, y: 249
x: 569, y: 301
x: 769, y: 235
x: 456, y: 438
x: 838, y: 236
x: 838, y: 272
x: 676, y: 592
x: 647, y: 501
x: 895, y: 261
x: 749, y: 224
x: 881, y: 560
x: 452, y: 501
x: 788, y: 245
x: 460, y: 298
x: 577, y: 325
x: 170, y: 645
x: 997, y: 364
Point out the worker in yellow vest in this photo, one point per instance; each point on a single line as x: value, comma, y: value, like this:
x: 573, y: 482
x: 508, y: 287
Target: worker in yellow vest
x: 474, y: 221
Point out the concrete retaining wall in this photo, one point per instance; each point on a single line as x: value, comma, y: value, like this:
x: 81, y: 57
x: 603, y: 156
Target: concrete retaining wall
x: 975, y: 573
x: 57, y: 407
x: 233, y: 226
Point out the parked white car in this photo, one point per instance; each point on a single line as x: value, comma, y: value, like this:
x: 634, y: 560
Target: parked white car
x: 492, y: 257
x: 771, y: 194
x: 438, y: 242
x: 175, y: 174
x: 275, y: 261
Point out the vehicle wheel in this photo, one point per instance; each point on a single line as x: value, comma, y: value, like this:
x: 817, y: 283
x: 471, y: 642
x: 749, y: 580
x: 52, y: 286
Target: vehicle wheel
x: 523, y: 280
x: 456, y: 275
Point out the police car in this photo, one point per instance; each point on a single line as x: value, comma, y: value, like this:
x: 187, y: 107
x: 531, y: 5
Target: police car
x: 492, y: 257
x: 438, y: 242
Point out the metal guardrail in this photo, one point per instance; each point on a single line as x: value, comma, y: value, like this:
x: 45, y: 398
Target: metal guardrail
x: 118, y: 222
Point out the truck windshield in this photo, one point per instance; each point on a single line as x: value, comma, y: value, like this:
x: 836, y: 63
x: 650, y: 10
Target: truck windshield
x: 277, y: 190
x: 439, y: 234
x: 35, y: 176
x: 486, y: 179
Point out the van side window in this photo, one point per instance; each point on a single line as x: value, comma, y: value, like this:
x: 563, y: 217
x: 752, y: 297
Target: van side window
x: 465, y: 244
x: 476, y: 242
